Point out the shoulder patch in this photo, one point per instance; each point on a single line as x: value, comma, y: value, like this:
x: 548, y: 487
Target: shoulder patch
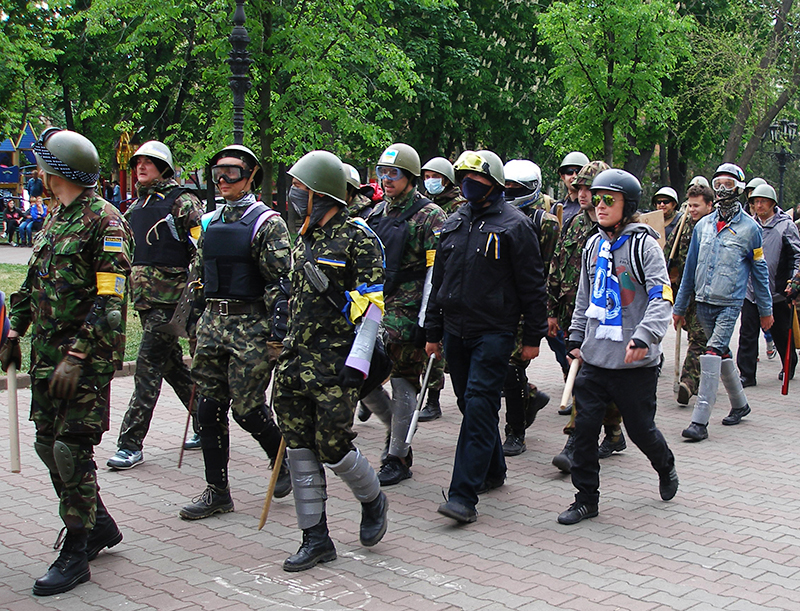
x: 112, y: 244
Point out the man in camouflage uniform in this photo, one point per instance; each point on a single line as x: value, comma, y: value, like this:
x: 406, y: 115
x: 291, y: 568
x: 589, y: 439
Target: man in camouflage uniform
x: 562, y: 288
x: 408, y: 224
x: 524, y: 400
x: 73, y: 299
x: 569, y: 168
x: 166, y: 226
x: 244, y: 255
x: 337, y: 281
x: 359, y: 198
x: 700, y: 203
x: 439, y: 171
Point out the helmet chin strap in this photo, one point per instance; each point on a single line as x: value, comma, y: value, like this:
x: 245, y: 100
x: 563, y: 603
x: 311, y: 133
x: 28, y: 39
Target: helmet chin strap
x: 310, y: 205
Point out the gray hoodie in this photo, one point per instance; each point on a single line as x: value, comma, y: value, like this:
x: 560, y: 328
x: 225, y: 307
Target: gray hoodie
x: 642, y: 318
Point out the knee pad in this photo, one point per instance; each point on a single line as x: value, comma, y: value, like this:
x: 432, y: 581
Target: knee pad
x: 255, y: 422
x: 45, y: 452
x: 211, y: 412
x: 65, y: 460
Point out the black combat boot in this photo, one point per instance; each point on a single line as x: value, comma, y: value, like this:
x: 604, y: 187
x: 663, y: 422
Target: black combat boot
x: 284, y: 484
x: 104, y: 534
x: 207, y: 504
x: 374, y: 520
x: 316, y: 547
x: 70, y: 568
x: 564, y: 460
x: 432, y: 409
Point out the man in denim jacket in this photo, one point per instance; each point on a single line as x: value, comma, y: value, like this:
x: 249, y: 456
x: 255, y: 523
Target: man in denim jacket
x: 725, y: 251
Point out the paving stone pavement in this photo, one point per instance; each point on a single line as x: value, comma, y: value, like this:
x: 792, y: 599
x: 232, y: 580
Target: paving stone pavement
x: 727, y: 541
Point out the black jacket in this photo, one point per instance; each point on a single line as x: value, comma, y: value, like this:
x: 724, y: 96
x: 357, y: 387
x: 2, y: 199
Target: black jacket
x: 488, y: 271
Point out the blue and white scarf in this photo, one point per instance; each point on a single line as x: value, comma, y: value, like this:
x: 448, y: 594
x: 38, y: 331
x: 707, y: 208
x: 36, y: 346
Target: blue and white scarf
x: 606, y: 302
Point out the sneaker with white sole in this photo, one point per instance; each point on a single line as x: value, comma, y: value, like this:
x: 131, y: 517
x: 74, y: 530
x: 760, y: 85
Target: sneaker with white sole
x: 126, y: 459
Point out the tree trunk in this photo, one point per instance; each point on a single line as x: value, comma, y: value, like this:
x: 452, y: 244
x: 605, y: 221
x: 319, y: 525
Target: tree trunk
x: 608, y: 142
x: 754, y: 85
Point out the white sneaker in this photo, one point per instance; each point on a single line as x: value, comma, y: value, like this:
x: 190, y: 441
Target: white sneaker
x: 125, y: 459
x: 771, y: 350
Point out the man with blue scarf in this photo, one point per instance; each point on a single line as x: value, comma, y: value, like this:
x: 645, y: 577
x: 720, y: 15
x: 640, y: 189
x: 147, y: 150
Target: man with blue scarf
x: 487, y: 272
x: 622, y: 311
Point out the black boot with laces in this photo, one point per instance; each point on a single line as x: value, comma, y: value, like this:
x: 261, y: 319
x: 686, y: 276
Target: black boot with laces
x: 70, y: 568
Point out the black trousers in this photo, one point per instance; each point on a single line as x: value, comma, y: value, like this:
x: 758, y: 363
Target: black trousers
x: 634, y: 393
x: 750, y: 332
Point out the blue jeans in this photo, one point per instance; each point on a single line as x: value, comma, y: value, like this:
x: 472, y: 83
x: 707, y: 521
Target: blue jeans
x: 718, y: 323
x: 478, y: 369
x: 26, y: 229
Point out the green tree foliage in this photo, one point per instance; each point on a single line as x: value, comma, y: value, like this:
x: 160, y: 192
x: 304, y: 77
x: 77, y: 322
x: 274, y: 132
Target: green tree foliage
x: 612, y: 57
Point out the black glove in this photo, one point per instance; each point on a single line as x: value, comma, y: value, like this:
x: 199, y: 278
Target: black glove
x: 349, y: 377
x: 64, y: 382
x: 419, y: 337
x: 10, y: 354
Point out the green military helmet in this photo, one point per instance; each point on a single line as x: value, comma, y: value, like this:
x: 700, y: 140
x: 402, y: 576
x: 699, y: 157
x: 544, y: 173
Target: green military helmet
x: 764, y: 190
x: 401, y: 156
x: 155, y: 150
x: 68, y: 154
x: 245, y: 154
x: 442, y: 166
x: 754, y: 182
x: 483, y: 162
x: 352, y: 176
x: 574, y: 159
x: 587, y: 173
x: 322, y: 172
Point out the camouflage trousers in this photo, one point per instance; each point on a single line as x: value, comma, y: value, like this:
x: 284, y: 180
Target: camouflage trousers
x: 409, y: 362
x: 74, y: 427
x: 316, y: 417
x: 234, y: 360
x: 690, y: 373
x: 160, y: 358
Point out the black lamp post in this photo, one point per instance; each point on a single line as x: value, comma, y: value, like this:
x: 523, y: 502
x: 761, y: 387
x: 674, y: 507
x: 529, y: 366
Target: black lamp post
x: 239, y: 61
x: 781, y: 137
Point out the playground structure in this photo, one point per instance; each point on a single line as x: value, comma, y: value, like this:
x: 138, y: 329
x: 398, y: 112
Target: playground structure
x: 15, y: 159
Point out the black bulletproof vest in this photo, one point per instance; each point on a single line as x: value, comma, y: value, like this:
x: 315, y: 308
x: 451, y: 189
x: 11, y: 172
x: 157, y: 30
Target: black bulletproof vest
x: 164, y: 250
x: 393, y: 232
x: 229, y: 268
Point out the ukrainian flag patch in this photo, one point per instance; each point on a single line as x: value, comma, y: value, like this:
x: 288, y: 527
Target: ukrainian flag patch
x: 332, y: 262
x: 112, y: 244
x: 758, y: 254
x: 110, y: 284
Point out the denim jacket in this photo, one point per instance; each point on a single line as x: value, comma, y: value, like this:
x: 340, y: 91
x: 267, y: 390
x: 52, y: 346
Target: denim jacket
x: 719, y: 264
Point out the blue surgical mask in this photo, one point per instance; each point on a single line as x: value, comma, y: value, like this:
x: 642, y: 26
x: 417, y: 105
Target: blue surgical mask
x: 434, y: 186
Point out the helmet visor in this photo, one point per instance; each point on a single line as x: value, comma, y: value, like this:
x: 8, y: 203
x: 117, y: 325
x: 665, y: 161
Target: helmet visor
x: 229, y: 173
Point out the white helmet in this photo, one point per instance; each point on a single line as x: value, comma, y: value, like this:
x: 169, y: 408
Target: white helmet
x: 699, y: 180
x: 527, y: 174
x: 666, y: 192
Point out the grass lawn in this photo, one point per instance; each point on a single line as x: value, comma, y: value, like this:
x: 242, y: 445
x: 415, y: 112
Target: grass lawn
x: 11, y: 278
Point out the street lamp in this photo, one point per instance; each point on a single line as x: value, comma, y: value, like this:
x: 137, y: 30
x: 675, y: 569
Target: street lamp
x: 239, y: 61
x: 781, y: 136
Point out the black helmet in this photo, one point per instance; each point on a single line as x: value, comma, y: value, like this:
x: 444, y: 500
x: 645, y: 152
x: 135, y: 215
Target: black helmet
x: 623, y: 182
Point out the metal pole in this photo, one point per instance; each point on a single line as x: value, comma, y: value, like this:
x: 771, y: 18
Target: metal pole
x: 781, y: 155
x: 239, y: 61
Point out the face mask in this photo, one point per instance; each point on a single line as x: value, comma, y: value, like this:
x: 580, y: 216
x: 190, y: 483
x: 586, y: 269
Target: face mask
x: 434, y: 186
x: 299, y: 201
x: 475, y: 192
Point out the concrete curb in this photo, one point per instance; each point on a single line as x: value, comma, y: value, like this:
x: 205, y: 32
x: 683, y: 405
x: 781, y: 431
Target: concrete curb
x: 128, y: 369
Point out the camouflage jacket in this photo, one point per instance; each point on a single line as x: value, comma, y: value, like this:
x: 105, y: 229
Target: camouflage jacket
x: 565, y: 269
x: 548, y: 230
x: 361, y: 206
x: 677, y: 263
x: 319, y: 336
x: 448, y: 200
x: 77, y: 275
x: 157, y: 286
x: 271, y: 249
x: 402, y: 308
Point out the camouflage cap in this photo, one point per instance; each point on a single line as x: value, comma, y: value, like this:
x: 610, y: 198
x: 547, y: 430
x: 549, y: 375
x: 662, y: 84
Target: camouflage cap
x: 587, y: 173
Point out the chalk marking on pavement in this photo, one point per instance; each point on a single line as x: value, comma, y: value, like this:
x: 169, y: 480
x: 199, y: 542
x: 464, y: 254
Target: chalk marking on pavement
x: 436, y: 579
x: 302, y: 586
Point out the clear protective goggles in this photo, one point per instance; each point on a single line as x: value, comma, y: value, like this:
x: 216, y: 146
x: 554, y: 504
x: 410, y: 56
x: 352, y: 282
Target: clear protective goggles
x: 229, y: 173
x: 726, y: 182
x: 385, y: 172
x: 605, y: 199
